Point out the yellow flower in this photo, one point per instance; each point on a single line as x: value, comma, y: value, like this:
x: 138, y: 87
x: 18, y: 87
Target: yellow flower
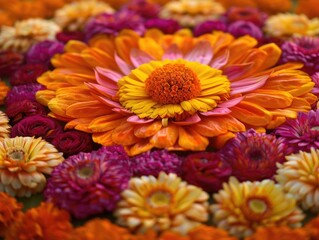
x: 4, y: 126
x: 299, y: 176
x: 241, y: 208
x: 192, y: 12
x: 27, y: 32
x: 165, y: 203
x: 23, y: 163
x: 211, y: 87
x: 73, y: 16
x: 291, y: 25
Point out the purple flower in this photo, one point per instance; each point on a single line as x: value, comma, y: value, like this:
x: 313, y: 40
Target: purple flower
x: 28, y: 73
x: 167, y: 26
x: 241, y: 28
x: 9, y: 62
x: 37, y: 126
x: 73, y: 142
x: 113, y: 23
x: 19, y: 110
x: 253, y: 156
x: 144, y: 8
x: 42, y: 52
x: 88, y: 183
x: 152, y: 163
x: 315, y: 79
x: 206, y: 170
x: 23, y: 92
x: 301, y: 133
x: 208, y: 27
x: 304, y: 50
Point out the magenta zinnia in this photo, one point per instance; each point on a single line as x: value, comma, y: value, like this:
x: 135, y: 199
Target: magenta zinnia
x: 172, y: 91
x: 88, y: 183
x: 253, y: 156
x: 301, y: 133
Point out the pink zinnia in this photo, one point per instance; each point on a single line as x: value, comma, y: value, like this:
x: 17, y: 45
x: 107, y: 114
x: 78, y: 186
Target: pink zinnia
x: 301, y: 133
x: 88, y: 183
x: 253, y: 156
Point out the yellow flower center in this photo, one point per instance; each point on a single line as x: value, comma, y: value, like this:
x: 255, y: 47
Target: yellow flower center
x: 257, y: 206
x: 85, y: 172
x: 172, y: 84
x: 160, y: 199
x: 16, y: 155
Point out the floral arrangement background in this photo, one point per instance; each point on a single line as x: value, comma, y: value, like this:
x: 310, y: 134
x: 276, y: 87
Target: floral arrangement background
x: 156, y: 119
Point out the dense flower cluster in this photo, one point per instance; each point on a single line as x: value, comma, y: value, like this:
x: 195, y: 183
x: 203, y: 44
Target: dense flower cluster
x: 159, y: 119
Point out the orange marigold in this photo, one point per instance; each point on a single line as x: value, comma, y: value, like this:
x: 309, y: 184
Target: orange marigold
x: 204, y: 232
x: 45, y: 222
x: 10, y: 211
x: 308, y: 7
x: 5, y: 18
x: 27, y: 9
x: 279, y: 233
x: 312, y: 228
x: 100, y: 229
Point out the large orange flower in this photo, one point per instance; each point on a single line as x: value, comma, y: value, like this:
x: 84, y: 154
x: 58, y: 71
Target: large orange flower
x: 45, y: 222
x: 308, y: 7
x: 172, y: 91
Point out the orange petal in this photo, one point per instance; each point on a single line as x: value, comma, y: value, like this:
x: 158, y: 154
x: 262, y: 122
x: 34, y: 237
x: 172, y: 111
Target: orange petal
x: 106, y: 123
x: 104, y: 138
x: 81, y: 124
x: 191, y: 140
x: 251, y: 113
x: 165, y: 137
x: 75, y: 46
x: 87, y: 109
x: 219, y: 141
x: 148, y: 129
x: 124, y: 134
x: 151, y: 47
x: 275, y: 122
x: 270, y: 98
x: 124, y: 45
x: 44, y: 96
x: 139, y: 147
x: 273, y: 55
x: 95, y: 57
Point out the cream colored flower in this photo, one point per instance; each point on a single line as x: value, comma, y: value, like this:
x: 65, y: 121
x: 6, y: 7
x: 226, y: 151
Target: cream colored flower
x: 23, y: 163
x: 289, y: 24
x: 165, y: 203
x: 27, y: 32
x: 4, y: 126
x: 241, y: 208
x: 192, y: 12
x: 73, y: 16
x: 299, y: 175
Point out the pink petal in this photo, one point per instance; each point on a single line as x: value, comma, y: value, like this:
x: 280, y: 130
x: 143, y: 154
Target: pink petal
x: 136, y: 119
x: 189, y: 121
x: 201, y: 53
x: 121, y: 110
x: 124, y: 66
x: 172, y: 53
x: 103, y: 90
x: 216, y: 111
x: 139, y: 57
x: 248, y: 84
x: 220, y: 61
x: 109, y: 102
x: 235, y: 71
x: 110, y: 77
x: 230, y: 103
